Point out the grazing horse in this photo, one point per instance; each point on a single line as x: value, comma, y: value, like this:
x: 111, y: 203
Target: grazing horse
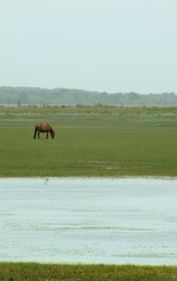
x: 43, y: 128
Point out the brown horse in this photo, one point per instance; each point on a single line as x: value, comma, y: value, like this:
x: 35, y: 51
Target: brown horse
x: 43, y: 128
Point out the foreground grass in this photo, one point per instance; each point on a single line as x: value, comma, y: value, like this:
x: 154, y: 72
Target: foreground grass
x: 120, y: 142
x: 46, y: 272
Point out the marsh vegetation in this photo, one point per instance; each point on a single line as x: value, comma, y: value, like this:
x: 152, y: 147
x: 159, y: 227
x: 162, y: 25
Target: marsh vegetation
x: 56, y: 272
x: 90, y: 141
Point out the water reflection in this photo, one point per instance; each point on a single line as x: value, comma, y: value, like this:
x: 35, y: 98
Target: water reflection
x: 89, y: 220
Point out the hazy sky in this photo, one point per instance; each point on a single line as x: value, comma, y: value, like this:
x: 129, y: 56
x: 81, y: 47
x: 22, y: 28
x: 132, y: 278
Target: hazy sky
x: 104, y: 45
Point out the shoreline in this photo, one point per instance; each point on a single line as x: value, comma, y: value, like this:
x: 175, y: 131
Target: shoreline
x: 90, y: 177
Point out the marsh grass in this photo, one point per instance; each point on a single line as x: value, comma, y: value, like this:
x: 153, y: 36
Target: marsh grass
x: 65, y: 272
x: 138, y: 144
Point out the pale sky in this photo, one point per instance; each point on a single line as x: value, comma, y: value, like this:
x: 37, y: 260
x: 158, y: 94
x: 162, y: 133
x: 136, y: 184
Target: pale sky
x: 102, y: 45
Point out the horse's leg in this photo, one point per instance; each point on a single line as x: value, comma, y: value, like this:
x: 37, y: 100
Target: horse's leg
x: 35, y: 131
x: 47, y: 134
x: 38, y: 133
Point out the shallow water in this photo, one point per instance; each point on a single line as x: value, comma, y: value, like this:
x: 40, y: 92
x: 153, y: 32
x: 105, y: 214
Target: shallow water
x: 129, y: 220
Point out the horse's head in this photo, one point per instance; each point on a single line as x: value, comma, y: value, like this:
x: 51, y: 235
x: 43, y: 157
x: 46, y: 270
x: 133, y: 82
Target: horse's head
x: 52, y: 132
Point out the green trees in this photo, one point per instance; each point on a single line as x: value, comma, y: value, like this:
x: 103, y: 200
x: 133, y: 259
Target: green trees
x: 61, y: 96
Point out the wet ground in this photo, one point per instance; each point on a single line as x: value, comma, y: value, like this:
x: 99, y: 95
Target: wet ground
x: 128, y: 220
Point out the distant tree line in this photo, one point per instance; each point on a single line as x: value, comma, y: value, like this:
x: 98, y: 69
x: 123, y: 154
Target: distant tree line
x: 61, y: 96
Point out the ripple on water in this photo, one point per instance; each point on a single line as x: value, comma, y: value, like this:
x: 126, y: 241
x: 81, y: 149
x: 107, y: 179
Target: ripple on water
x: 127, y: 220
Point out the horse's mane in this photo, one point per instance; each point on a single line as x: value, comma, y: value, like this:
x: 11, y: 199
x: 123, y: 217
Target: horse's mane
x: 52, y: 131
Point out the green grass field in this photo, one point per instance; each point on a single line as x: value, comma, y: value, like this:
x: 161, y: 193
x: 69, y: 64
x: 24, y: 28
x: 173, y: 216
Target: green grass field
x: 46, y: 272
x: 104, y: 141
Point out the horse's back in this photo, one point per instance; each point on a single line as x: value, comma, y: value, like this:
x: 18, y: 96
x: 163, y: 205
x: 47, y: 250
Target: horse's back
x: 42, y: 126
